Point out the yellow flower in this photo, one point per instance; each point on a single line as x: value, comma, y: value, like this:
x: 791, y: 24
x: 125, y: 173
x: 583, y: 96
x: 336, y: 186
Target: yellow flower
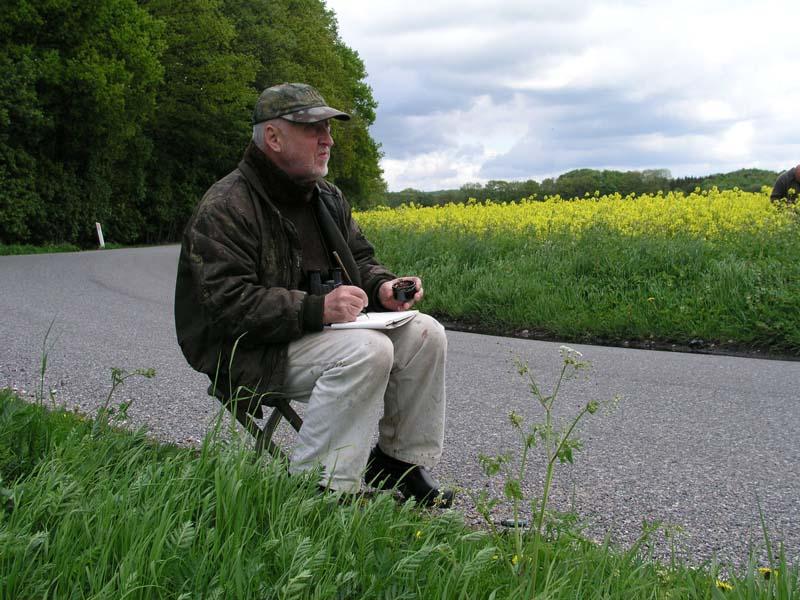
x: 418, y: 534
x: 514, y: 560
x: 724, y: 585
x: 709, y: 214
x: 767, y: 572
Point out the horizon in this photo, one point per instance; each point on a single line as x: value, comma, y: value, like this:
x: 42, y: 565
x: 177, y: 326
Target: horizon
x: 539, y: 181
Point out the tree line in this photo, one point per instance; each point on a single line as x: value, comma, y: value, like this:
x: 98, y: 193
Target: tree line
x: 125, y: 111
x: 579, y: 182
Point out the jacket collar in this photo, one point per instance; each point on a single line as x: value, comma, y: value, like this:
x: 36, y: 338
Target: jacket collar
x: 281, y: 188
x: 258, y: 169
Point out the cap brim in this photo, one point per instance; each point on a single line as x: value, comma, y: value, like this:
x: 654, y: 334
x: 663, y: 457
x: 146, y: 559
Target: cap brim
x: 318, y: 113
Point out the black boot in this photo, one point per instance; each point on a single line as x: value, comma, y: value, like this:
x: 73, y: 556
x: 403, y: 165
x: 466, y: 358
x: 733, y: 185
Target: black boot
x: 413, y: 481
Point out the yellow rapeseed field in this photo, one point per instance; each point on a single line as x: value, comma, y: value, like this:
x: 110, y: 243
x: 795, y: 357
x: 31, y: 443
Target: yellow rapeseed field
x: 709, y: 215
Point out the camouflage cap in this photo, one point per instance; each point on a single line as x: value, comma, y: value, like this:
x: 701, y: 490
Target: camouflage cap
x: 295, y: 102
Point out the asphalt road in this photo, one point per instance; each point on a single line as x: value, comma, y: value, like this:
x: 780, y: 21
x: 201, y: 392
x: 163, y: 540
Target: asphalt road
x: 698, y: 442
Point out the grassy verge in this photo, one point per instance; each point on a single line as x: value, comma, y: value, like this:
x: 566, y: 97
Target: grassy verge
x: 18, y: 249
x: 91, y: 512
x: 603, y: 280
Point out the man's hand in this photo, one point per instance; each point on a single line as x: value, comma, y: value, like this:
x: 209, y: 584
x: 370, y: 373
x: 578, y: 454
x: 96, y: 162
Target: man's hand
x: 386, y: 296
x: 343, y: 304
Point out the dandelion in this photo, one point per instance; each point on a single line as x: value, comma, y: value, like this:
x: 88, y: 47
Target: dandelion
x: 766, y: 572
x: 418, y: 534
x: 724, y: 585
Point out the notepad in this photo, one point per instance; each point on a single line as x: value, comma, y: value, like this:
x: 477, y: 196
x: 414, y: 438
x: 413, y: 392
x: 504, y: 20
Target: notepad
x: 378, y: 320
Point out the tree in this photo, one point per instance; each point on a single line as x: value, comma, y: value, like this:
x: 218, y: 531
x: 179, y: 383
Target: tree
x: 577, y: 183
x: 20, y: 116
x: 298, y: 41
x: 79, y: 85
x: 204, y: 104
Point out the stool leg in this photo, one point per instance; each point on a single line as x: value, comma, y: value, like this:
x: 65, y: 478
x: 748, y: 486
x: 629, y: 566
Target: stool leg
x: 289, y: 413
x: 263, y: 436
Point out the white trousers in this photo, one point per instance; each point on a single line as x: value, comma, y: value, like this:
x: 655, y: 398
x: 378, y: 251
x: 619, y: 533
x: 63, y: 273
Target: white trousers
x: 353, y: 379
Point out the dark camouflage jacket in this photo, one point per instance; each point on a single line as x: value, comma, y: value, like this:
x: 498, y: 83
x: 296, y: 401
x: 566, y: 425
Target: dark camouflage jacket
x: 239, y: 268
x: 786, y: 187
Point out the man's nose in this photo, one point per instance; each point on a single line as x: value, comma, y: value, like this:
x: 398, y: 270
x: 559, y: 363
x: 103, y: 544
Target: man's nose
x: 326, y: 139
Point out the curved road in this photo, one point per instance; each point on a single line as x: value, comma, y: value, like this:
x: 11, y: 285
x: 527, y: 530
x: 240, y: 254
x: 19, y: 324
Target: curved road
x: 697, y: 441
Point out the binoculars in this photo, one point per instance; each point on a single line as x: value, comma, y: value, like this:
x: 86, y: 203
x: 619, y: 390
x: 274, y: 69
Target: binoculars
x: 318, y: 287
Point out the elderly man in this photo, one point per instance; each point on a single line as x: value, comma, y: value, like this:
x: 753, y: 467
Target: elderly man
x: 787, y: 186
x: 258, y: 281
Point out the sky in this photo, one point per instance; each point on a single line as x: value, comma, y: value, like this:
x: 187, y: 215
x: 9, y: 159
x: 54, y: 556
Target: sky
x: 471, y: 91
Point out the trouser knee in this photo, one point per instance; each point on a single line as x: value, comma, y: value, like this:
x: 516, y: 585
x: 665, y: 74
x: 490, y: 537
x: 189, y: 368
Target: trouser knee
x: 375, y: 352
x: 431, y: 333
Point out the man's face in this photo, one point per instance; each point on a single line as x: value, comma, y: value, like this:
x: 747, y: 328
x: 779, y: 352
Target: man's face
x: 305, y: 149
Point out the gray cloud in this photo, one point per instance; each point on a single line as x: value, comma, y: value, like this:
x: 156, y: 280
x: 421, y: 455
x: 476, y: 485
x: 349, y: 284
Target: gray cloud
x: 520, y: 90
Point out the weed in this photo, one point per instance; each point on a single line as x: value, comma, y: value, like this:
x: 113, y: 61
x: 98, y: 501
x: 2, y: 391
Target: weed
x: 106, y: 414
x: 556, y: 444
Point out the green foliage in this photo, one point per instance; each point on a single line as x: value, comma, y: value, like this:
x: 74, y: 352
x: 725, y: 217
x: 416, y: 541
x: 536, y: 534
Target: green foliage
x: 551, y: 442
x: 81, y: 80
x: 116, y: 516
x: 108, y: 413
x: 298, y: 41
x: 748, y: 180
x: 202, y: 123
x: 125, y: 112
x: 16, y: 249
x: 605, y: 287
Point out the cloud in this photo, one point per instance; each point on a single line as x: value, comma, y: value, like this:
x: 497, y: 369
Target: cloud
x: 519, y: 90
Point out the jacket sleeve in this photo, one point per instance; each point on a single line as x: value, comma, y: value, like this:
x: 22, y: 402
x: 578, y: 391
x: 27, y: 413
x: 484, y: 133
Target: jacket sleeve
x: 222, y: 245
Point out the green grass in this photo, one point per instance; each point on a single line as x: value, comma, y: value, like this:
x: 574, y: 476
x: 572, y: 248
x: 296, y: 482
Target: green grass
x: 92, y: 512
x: 602, y: 286
x: 18, y: 249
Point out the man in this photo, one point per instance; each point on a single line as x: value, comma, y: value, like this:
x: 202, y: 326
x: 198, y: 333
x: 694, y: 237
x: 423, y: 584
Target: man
x: 258, y: 278
x: 787, y: 186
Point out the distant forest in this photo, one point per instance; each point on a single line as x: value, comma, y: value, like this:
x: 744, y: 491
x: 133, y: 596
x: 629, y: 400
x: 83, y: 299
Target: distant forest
x: 578, y: 183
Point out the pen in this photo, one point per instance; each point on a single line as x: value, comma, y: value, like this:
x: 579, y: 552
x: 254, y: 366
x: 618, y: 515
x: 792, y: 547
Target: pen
x: 341, y: 266
x: 347, y: 277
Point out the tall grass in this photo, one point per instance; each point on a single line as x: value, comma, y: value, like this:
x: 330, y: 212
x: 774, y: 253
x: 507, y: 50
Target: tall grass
x: 645, y: 269
x: 89, y: 512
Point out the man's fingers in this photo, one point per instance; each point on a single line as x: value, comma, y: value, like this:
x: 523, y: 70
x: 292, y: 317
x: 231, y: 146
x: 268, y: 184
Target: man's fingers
x: 351, y: 291
x: 343, y: 304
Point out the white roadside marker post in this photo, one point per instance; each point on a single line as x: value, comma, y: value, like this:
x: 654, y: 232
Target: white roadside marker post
x: 100, y: 235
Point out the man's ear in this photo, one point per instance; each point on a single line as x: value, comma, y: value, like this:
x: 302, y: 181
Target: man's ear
x: 273, y: 137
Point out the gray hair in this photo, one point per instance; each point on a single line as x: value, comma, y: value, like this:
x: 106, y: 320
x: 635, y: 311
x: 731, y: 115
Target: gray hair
x: 258, y: 135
